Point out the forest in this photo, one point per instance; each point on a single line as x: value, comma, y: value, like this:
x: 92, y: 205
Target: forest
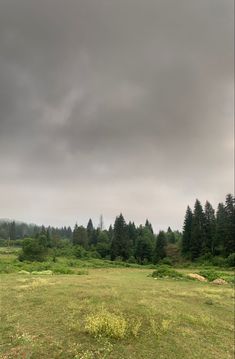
x: 207, y: 236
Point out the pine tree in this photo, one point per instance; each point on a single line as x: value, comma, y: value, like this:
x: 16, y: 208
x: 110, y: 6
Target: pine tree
x: 90, y: 230
x: 170, y: 235
x: 132, y: 233
x: 220, y: 229
x: 120, y: 246
x: 187, y: 232
x: 198, y: 231
x: 160, y: 247
x: 229, y: 238
x: 90, y: 226
x: 210, y: 228
x: 149, y: 225
x: 110, y: 232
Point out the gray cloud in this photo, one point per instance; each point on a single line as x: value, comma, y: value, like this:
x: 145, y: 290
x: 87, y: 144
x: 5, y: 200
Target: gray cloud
x: 109, y: 106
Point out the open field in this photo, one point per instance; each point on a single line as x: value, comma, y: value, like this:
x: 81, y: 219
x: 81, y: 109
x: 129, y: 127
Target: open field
x: 61, y: 316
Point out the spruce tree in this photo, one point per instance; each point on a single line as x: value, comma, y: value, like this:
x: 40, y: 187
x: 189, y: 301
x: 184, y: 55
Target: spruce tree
x: 90, y: 230
x: 170, y: 235
x: 120, y: 246
x: 220, y: 229
x: 75, y: 234
x: 149, y: 225
x: 198, y: 231
x: 210, y: 228
x: 187, y: 232
x: 229, y: 238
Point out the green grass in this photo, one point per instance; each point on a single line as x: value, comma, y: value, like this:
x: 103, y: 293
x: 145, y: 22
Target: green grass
x: 114, y: 313
x: 97, y: 309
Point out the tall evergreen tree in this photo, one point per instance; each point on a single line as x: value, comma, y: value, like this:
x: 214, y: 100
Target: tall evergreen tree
x: 170, y: 235
x: 210, y: 229
x: 220, y: 229
x: 229, y: 238
x: 187, y: 232
x: 149, y: 225
x: 132, y: 233
x: 90, y: 229
x: 198, y: 231
x: 120, y: 246
x: 90, y: 226
x: 160, y: 247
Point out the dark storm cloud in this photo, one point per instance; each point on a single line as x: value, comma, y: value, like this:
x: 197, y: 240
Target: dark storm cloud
x: 109, y: 106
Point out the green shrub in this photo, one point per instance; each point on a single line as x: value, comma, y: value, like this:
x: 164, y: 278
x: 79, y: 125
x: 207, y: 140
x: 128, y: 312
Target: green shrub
x: 33, y: 250
x: 219, y: 261
x: 80, y: 252
x: 167, y: 261
x: 166, y: 272
x: 231, y: 260
x: 209, y: 274
x: 132, y: 259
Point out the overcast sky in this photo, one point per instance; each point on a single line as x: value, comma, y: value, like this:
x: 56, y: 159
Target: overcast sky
x: 110, y: 106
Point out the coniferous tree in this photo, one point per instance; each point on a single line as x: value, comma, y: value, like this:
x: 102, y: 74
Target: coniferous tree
x: 220, y: 229
x: 90, y: 230
x: 132, y: 233
x: 198, y: 231
x: 120, y: 246
x: 110, y: 232
x: 75, y: 235
x: 187, y: 232
x: 229, y: 238
x: 170, y: 235
x: 210, y: 228
x: 160, y: 247
x: 90, y: 226
x: 149, y: 225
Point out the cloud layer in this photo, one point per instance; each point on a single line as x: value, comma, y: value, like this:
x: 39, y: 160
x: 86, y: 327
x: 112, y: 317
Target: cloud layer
x: 110, y: 106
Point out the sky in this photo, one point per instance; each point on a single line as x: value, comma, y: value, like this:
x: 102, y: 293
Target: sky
x: 110, y: 106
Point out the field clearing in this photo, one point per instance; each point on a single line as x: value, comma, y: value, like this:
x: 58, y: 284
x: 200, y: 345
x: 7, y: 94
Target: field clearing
x: 47, y: 316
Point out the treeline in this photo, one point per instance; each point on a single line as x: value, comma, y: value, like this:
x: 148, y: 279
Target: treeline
x: 12, y: 230
x: 206, y: 233
x: 125, y: 241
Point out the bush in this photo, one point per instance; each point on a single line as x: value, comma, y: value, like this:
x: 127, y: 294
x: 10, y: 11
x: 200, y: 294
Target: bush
x: 132, y: 260
x: 80, y: 252
x: 209, y: 274
x: 167, y: 261
x: 107, y: 324
x: 32, y: 250
x: 219, y: 261
x: 231, y: 260
x: 166, y: 272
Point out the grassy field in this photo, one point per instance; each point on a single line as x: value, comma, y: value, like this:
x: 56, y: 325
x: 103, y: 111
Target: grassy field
x: 114, y: 313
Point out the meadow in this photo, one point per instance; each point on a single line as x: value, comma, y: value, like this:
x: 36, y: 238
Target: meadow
x: 112, y: 312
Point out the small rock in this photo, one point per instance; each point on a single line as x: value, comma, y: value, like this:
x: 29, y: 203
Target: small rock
x: 197, y: 276
x: 219, y: 281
